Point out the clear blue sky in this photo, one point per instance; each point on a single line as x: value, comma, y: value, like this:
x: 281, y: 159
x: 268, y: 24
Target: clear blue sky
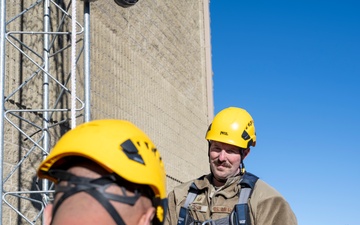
x: 295, y: 66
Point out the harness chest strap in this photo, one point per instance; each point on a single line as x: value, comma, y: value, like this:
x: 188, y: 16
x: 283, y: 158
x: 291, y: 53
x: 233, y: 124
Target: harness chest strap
x: 240, y: 214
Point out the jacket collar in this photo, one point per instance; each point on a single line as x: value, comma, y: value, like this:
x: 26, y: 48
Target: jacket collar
x: 229, y: 189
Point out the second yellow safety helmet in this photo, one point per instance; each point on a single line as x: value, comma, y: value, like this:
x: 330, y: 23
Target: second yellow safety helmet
x: 233, y: 126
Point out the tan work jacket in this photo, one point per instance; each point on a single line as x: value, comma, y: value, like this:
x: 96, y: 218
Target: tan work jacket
x: 267, y: 206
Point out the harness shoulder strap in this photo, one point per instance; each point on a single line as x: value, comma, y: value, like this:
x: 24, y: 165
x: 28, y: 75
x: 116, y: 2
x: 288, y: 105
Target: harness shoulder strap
x: 248, y: 180
x: 241, y: 213
x: 192, y: 193
x: 247, y: 184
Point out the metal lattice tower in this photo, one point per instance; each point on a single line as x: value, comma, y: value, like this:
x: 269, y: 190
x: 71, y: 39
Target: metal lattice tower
x: 44, y: 56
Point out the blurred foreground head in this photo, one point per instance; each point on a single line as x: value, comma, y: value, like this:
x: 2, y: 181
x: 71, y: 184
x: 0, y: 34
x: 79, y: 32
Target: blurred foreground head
x: 105, y: 172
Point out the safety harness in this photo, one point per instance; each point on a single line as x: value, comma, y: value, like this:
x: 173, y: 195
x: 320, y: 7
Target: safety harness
x: 94, y: 187
x: 240, y: 214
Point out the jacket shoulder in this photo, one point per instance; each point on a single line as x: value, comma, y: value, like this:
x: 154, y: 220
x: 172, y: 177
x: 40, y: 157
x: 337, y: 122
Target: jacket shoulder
x: 264, y: 190
x: 267, y: 204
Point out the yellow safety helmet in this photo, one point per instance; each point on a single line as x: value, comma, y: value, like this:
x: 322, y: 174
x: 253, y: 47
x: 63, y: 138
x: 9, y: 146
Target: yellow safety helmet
x: 233, y: 126
x: 119, y: 147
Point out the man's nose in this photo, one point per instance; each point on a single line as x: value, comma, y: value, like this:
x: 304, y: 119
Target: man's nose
x: 222, y: 155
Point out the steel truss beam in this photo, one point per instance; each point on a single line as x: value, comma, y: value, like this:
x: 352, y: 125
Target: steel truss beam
x: 39, y: 98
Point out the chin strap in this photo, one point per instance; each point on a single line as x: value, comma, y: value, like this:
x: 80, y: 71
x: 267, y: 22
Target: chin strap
x: 94, y: 187
x: 242, y: 165
x: 242, y: 168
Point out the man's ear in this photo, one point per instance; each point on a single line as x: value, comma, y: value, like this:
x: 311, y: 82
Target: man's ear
x: 48, y: 214
x: 146, y: 219
x: 246, y: 152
